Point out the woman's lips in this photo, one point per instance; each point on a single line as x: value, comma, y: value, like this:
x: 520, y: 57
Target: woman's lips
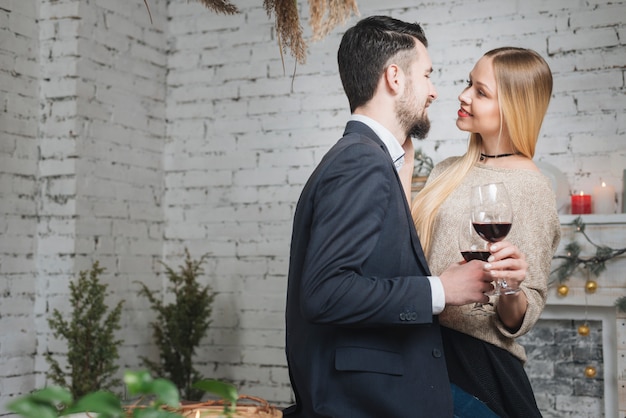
x: 463, y: 114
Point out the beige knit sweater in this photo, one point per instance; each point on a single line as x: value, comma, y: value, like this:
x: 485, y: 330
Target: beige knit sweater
x: 536, y: 232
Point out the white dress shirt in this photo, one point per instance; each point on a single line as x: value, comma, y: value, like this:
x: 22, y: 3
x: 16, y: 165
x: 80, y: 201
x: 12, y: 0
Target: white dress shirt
x: 397, y: 155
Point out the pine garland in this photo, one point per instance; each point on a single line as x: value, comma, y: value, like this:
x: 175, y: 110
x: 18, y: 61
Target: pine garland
x: 595, y: 264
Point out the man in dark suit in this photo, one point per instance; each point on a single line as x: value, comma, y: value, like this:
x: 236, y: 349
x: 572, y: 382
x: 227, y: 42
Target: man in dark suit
x: 363, y: 338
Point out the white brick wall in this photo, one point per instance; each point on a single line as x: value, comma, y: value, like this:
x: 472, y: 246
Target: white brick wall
x: 124, y: 141
x: 83, y: 126
x: 19, y: 115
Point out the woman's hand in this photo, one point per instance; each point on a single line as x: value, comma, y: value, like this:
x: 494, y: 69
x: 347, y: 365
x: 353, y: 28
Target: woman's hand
x: 508, y: 266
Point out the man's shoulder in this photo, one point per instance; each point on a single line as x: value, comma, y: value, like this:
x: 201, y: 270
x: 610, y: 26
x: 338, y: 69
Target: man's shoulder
x: 356, y: 134
x: 355, y: 127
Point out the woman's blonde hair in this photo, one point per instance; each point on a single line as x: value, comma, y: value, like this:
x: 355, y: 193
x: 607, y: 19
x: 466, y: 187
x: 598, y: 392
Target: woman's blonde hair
x: 524, y: 86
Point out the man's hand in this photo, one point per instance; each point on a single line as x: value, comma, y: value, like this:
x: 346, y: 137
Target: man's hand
x: 465, y: 283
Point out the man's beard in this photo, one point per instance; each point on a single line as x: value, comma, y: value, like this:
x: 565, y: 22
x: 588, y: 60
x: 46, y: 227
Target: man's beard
x: 416, y: 126
x: 420, y: 128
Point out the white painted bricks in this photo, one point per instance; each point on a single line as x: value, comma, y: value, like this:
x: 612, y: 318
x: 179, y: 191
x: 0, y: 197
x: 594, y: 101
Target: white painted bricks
x: 124, y: 141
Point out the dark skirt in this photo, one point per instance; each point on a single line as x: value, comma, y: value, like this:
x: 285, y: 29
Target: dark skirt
x: 490, y: 373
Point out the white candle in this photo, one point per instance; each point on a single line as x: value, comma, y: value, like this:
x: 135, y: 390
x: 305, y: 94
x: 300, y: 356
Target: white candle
x: 603, y: 199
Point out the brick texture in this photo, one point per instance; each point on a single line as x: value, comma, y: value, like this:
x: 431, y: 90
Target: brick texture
x: 125, y: 141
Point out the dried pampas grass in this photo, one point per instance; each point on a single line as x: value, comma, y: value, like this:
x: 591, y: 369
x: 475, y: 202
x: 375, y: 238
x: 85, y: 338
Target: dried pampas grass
x: 325, y: 16
x: 288, y: 27
x: 338, y: 12
x: 220, y: 6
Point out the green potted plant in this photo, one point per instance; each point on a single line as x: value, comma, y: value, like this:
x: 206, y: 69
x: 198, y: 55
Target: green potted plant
x: 156, y: 398
x: 89, y: 331
x: 422, y: 166
x: 180, y: 325
x: 153, y: 398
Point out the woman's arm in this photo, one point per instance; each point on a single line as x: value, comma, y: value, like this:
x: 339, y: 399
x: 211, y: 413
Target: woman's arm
x: 536, y: 232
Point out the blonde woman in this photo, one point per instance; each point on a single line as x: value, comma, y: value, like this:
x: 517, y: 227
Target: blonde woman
x: 502, y: 107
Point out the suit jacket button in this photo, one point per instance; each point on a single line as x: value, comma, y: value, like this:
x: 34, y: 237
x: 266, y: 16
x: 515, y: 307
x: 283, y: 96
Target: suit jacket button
x: 436, y: 353
x: 402, y: 316
x: 413, y: 316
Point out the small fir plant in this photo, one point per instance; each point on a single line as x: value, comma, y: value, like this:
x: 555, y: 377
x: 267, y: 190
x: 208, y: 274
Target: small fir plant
x: 89, y: 332
x: 180, y: 325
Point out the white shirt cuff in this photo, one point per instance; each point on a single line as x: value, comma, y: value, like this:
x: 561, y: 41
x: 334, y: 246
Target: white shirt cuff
x: 437, y: 293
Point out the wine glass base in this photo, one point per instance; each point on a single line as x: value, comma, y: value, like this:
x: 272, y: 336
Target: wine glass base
x: 503, y: 288
x: 479, y: 310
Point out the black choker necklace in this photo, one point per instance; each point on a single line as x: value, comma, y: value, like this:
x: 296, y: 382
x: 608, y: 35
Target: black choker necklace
x: 483, y: 156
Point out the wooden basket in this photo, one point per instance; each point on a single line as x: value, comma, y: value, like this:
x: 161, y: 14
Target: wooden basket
x: 417, y: 183
x: 247, y: 407
x: 251, y: 407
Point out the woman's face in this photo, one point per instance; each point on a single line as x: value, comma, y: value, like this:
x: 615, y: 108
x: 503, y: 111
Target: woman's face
x: 479, y: 111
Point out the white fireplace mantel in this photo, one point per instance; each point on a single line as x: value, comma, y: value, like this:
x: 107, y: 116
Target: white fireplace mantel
x: 607, y: 230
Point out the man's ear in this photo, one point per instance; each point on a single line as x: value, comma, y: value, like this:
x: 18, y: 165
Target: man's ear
x: 394, y: 79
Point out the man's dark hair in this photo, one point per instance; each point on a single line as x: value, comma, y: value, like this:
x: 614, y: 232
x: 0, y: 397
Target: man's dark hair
x: 365, y: 50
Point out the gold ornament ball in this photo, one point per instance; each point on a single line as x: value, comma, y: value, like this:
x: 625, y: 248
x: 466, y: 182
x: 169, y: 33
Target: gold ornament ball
x: 583, y: 330
x: 563, y: 290
x: 591, y: 286
x: 590, y: 372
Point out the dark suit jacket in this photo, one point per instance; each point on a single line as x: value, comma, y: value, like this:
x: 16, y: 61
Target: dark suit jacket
x: 361, y: 337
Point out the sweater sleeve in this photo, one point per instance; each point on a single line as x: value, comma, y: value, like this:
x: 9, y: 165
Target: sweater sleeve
x: 536, y: 231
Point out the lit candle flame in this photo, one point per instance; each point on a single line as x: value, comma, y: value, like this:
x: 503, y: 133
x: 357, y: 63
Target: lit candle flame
x: 603, y: 184
x: 582, y: 193
x: 197, y: 414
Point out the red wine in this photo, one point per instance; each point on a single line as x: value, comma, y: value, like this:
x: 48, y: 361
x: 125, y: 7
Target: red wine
x: 492, y: 232
x: 475, y: 255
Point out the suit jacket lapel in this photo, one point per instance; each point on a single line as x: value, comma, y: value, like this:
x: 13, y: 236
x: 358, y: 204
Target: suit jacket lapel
x: 363, y: 129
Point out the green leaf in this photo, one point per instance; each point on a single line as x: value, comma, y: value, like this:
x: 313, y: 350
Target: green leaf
x: 29, y: 408
x: 155, y: 413
x: 226, y: 391
x: 166, y: 392
x: 137, y: 382
x: 41, y: 403
x: 141, y: 383
x: 101, y: 402
x: 53, y: 395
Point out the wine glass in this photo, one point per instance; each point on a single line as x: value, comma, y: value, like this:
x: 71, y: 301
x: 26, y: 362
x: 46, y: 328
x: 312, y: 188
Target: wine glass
x: 473, y: 247
x: 492, y: 217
